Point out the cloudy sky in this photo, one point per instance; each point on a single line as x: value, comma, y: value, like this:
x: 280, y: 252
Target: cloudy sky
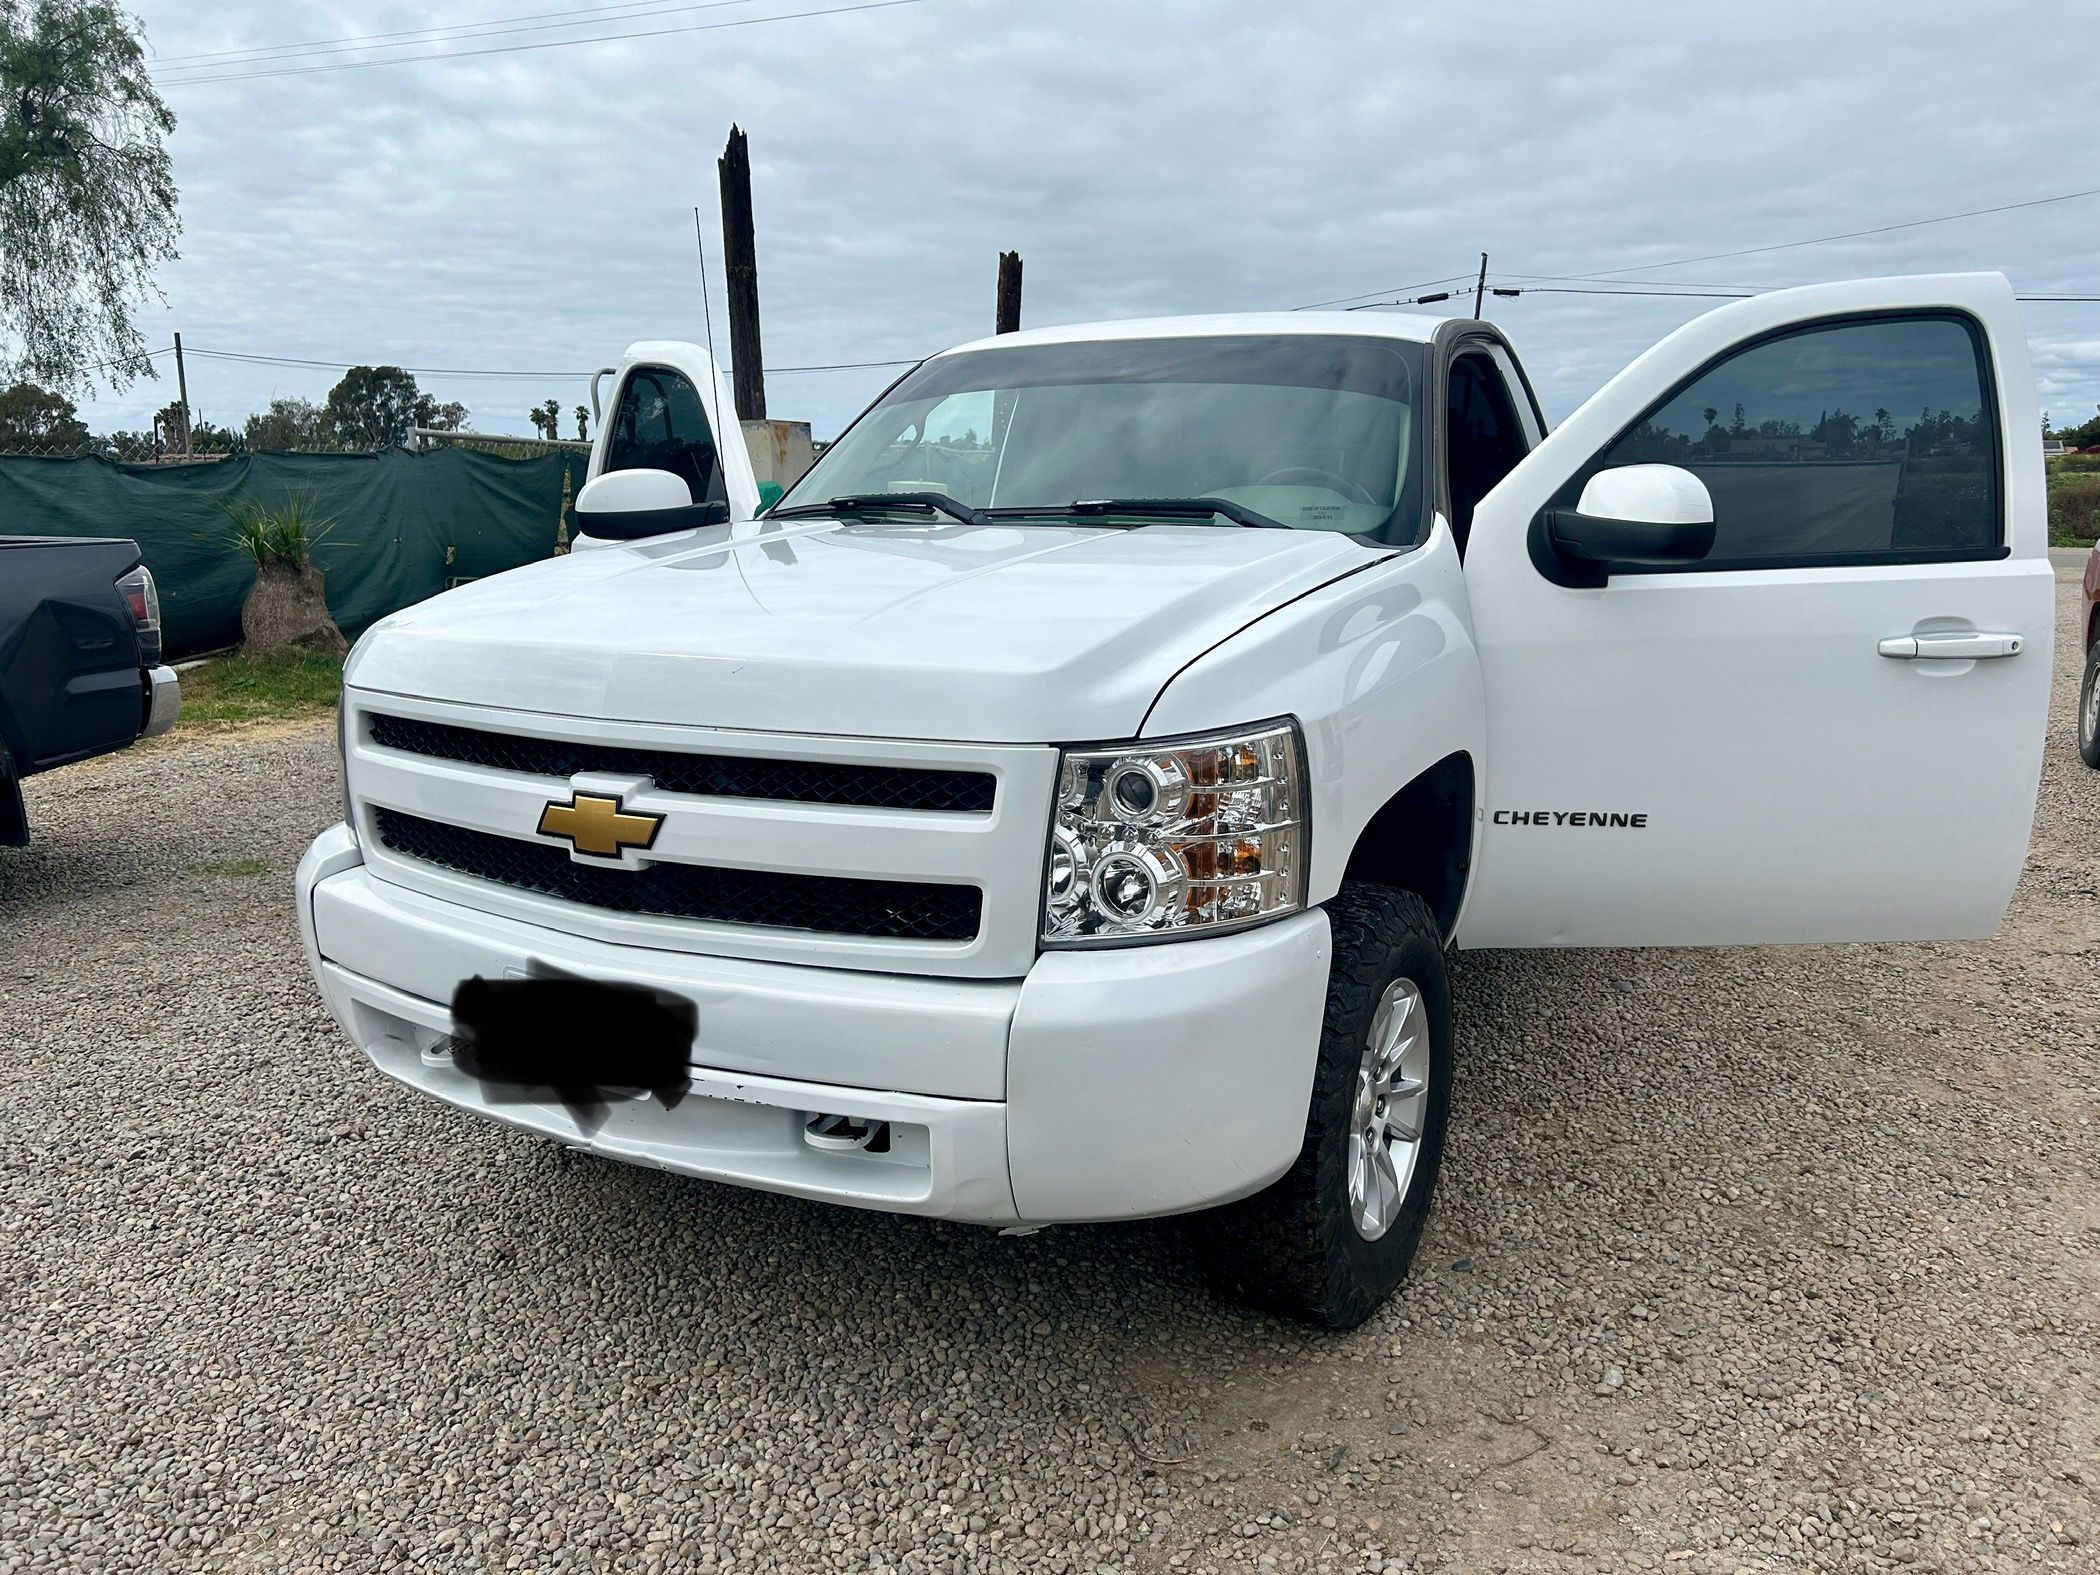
x: 531, y: 210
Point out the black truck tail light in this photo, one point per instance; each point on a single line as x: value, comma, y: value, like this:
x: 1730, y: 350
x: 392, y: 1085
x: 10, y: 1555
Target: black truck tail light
x: 142, y: 596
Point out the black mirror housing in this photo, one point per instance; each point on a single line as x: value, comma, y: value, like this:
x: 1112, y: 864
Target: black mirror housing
x: 1593, y: 538
x: 636, y: 524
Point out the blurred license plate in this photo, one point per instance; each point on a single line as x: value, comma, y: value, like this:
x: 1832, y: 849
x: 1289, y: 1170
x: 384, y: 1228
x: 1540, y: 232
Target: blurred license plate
x: 552, y: 1030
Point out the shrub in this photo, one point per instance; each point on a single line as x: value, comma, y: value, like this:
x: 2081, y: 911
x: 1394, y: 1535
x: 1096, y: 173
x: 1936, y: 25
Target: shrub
x: 2074, y: 508
x: 284, y: 533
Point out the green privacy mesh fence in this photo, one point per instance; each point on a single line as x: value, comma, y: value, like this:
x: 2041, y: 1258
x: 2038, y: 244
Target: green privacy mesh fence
x: 405, y: 526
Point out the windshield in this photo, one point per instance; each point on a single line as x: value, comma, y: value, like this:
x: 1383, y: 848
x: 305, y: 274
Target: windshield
x: 1314, y: 430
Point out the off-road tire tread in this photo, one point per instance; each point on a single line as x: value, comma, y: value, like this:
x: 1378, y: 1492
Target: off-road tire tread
x: 1292, y: 1247
x: 2088, y: 748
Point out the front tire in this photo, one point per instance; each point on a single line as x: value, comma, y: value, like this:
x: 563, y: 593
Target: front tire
x: 1329, y: 1241
x: 2089, y: 709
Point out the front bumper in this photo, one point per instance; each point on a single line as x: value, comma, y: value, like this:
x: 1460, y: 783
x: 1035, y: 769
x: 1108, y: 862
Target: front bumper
x: 1113, y: 1084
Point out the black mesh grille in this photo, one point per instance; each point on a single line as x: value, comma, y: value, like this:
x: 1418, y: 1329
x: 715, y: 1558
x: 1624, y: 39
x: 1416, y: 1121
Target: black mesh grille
x: 832, y: 904
x: 675, y: 771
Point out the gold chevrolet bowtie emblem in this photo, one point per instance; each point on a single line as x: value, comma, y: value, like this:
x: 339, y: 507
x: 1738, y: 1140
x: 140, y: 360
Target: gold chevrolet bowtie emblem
x: 598, y: 826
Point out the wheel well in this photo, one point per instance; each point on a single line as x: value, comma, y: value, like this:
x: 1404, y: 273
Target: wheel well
x: 2092, y: 628
x: 1421, y: 839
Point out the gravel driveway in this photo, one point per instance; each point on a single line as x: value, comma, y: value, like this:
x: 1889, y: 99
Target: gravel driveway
x: 1745, y: 1260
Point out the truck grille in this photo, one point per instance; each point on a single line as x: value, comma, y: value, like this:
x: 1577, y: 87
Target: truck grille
x: 677, y: 771
x: 829, y: 904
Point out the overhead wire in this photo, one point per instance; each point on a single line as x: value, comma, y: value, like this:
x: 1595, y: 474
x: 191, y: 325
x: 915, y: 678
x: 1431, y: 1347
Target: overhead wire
x: 1847, y: 235
x: 377, y: 40
x: 638, y: 10
x: 1606, y: 275
x: 1420, y: 284
x: 258, y: 359
x: 539, y: 44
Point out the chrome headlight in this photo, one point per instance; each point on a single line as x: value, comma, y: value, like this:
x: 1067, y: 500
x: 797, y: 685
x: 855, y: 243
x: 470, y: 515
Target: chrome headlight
x: 1176, y: 837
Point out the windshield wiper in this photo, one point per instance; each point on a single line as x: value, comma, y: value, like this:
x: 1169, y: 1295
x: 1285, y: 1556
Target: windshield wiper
x: 1146, y: 508
x: 879, y: 502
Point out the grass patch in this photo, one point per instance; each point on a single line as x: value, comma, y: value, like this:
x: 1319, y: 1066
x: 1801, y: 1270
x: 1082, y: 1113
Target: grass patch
x: 231, y: 869
x: 2074, y: 506
x: 284, y: 687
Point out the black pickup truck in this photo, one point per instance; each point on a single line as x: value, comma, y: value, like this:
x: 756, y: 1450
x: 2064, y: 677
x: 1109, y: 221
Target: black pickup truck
x: 80, y: 667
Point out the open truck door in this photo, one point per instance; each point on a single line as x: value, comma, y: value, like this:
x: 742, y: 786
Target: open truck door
x: 1766, y: 630
x: 670, y: 453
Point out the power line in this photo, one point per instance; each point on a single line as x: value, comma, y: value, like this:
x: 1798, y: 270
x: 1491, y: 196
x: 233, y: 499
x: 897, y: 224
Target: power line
x: 1688, y: 294
x: 274, y: 54
x: 1848, y: 235
x: 1608, y: 274
x: 1668, y: 295
x: 545, y: 43
x: 1420, y: 284
x: 122, y: 360
x: 410, y: 32
x: 256, y: 359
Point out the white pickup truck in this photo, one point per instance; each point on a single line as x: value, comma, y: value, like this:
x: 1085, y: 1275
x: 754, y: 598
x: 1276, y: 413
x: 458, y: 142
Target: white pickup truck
x: 1059, y: 807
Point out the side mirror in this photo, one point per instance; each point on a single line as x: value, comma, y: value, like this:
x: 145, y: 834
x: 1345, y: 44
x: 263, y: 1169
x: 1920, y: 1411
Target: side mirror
x: 626, y: 505
x: 1636, y: 514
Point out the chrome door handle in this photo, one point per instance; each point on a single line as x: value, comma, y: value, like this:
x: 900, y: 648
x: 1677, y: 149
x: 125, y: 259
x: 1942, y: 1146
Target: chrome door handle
x: 1954, y: 646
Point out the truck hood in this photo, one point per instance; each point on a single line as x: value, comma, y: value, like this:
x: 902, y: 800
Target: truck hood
x: 1026, y: 633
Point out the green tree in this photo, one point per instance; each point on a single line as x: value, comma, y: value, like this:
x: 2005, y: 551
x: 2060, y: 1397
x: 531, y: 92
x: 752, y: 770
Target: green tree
x: 583, y: 423
x: 2086, y: 435
x: 208, y: 438
x: 546, y: 419
x: 87, y: 195
x: 34, y: 420
x: 136, y: 447
x: 373, y: 407
x: 289, y: 426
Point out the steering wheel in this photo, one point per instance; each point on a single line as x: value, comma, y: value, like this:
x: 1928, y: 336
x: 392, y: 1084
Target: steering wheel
x: 1313, y: 476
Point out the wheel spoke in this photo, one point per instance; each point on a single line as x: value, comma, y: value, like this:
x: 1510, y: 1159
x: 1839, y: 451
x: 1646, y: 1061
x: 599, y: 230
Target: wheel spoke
x: 1388, y: 1185
x: 1399, y: 1086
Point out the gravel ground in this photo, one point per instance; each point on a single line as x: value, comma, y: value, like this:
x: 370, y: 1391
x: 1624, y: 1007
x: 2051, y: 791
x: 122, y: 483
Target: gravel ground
x: 1745, y: 1260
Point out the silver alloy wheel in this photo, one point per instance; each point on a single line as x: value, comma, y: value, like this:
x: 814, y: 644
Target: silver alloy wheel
x: 1392, y: 1101
x: 2089, y: 721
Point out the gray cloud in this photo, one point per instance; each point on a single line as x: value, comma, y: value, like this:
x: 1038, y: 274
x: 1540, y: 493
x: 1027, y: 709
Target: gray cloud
x: 533, y: 210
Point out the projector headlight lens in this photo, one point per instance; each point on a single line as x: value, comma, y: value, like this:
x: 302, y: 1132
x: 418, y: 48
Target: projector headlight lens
x: 1176, y: 837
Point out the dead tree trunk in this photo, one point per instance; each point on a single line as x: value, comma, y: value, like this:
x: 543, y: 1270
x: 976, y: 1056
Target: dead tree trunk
x: 740, y: 263
x: 1009, y: 312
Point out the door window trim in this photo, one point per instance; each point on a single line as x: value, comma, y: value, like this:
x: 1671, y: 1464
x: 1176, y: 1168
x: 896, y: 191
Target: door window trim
x: 1554, y: 568
x: 703, y: 396
x: 1457, y: 337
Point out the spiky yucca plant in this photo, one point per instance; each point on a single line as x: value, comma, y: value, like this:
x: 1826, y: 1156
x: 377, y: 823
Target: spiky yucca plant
x: 277, y: 533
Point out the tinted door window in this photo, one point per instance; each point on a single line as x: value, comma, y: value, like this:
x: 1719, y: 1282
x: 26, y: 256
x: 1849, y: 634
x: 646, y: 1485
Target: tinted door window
x: 1483, y: 439
x: 660, y: 424
x: 1850, y: 442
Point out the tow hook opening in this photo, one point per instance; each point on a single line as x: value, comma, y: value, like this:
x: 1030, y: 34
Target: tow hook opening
x: 840, y: 1134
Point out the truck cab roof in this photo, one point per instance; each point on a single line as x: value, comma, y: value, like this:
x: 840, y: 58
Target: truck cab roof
x: 1414, y: 327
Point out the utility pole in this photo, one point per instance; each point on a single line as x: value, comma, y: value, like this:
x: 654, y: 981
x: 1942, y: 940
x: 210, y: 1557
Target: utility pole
x: 1480, y: 289
x: 740, y: 265
x: 1008, y: 318
x: 182, y: 389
